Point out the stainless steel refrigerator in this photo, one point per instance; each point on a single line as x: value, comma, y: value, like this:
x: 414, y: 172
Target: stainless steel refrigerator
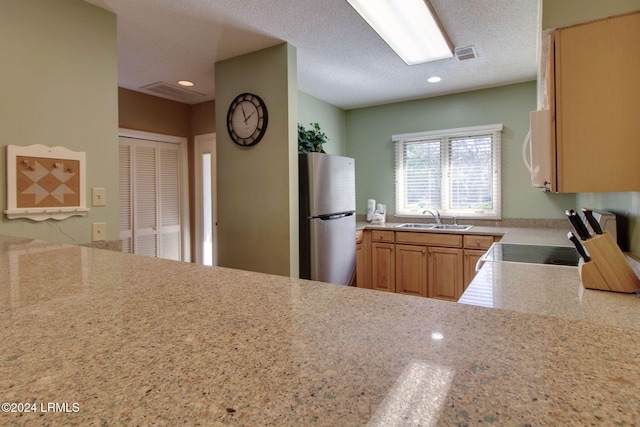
x: 327, y: 218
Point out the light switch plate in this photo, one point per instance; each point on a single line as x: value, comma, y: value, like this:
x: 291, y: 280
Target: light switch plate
x: 98, y: 231
x: 98, y: 197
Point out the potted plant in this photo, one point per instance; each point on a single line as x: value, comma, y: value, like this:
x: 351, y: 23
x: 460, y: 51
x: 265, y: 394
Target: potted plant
x: 311, y: 140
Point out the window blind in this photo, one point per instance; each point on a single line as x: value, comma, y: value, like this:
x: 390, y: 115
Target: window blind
x: 456, y: 171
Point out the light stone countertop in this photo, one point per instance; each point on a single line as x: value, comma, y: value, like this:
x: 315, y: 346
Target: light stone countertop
x: 550, y: 291
x: 135, y: 340
x: 526, y: 235
x: 542, y: 289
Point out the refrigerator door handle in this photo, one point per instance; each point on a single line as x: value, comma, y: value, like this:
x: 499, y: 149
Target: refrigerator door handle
x: 332, y: 216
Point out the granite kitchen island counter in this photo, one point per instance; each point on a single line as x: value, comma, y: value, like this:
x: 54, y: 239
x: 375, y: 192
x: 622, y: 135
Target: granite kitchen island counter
x: 137, y: 341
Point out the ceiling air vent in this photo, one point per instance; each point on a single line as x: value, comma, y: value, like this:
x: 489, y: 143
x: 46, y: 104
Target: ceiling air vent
x: 176, y: 93
x: 466, y: 53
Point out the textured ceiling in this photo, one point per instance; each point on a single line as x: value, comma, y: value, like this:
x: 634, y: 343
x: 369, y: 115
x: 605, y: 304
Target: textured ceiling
x: 340, y: 59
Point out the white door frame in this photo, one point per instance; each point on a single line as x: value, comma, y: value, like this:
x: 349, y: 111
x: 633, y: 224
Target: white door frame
x: 184, y: 208
x: 203, y: 144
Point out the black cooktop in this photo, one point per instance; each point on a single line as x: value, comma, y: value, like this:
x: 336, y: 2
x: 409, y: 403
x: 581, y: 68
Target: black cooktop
x: 535, y: 254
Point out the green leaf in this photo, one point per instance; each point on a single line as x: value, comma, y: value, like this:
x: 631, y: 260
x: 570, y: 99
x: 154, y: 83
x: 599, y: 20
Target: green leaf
x: 311, y: 140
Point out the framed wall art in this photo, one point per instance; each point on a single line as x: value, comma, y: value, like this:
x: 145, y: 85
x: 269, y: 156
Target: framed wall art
x: 45, y: 182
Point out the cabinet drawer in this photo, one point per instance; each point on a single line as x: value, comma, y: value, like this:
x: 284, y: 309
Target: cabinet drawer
x: 430, y: 239
x: 477, y: 242
x: 359, y: 234
x: 382, y: 236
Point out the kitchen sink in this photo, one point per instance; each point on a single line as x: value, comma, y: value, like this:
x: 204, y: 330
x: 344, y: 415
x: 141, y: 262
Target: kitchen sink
x: 451, y: 227
x: 458, y: 227
x: 416, y: 225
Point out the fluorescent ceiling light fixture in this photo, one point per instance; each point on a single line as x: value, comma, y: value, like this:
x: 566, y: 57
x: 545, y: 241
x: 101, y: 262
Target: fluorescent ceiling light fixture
x: 186, y: 83
x: 410, y: 27
x: 434, y: 79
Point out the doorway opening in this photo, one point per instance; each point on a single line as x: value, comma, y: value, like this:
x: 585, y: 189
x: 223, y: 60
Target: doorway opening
x: 205, y: 193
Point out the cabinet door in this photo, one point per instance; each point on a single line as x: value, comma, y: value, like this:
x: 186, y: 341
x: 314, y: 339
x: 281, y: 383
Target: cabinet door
x: 444, y: 273
x: 471, y: 257
x: 383, y: 267
x: 411, y: 270
x: 360, y: 266
x: 598, y: 105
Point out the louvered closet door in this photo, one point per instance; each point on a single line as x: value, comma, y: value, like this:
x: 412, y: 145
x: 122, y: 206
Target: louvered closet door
x: 125, y: 198
x: 145, y: 200
x: 150, y: 198
x: 169, y: 194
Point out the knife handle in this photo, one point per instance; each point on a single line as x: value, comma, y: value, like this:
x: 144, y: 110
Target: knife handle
x: 595, y: 226
x: 581, y: 250
x: 578, y: 225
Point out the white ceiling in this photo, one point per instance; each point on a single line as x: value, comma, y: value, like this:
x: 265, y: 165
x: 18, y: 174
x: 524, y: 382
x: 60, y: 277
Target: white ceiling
x: 340, y: 59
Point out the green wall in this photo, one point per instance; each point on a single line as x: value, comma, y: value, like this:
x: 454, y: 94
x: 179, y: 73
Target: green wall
x: 332, y: 121
x: 561, y: 13
x: 258, y: 186
x: 369, y: 132
x: 59, y: 88
x: 627, y: 208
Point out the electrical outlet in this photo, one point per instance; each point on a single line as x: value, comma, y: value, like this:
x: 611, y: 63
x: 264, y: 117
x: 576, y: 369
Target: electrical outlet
x: 98, y: 197
x: 98, y: 231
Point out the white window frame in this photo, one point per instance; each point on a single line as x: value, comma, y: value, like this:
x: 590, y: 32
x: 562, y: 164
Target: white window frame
x: 444, y: 136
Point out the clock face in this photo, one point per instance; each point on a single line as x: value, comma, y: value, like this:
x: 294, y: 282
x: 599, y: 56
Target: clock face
x: 247, y: 119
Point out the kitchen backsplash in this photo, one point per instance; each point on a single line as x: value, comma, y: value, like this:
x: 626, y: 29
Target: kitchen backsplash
x: 626, y: 206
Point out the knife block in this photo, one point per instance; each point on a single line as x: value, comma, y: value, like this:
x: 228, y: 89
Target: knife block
x: 608, y: 269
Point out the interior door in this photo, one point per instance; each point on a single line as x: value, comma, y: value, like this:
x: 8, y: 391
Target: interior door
x: 145, y: 200
x: 151, y: 198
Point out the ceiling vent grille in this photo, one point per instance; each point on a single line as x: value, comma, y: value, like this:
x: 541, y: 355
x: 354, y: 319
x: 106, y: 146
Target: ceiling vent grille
x: 170, y: 91
x: 466, y: 53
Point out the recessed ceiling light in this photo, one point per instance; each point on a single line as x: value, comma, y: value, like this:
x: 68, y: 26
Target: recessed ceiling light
x: 185, y: 83
x: 410, y: 27
x: 434, y: 79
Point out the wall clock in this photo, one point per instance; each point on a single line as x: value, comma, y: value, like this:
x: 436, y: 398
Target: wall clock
x: 247, y: 119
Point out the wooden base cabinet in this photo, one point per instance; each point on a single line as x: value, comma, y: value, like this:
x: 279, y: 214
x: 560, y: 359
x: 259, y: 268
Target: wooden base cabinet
x: 471, y: 257
x: 383, y: 264
x: 383, y: 260
x: 360, y: 260
x: 434, y: 265
x: 445, y: 273
x: 411, y: 270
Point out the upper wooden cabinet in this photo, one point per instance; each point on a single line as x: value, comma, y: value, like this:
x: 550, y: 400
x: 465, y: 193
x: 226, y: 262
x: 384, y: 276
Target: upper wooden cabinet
x: 592, y: 84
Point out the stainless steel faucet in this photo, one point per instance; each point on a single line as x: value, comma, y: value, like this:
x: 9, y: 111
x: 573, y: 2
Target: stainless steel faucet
x: 435, y: 215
